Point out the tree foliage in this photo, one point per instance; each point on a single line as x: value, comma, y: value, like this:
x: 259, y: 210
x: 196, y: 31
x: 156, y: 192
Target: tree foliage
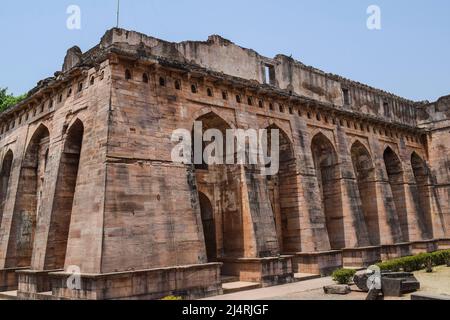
x: 8, y: 100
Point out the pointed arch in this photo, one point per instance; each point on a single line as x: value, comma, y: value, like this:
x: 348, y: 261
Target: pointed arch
x: 423, y: 196
x: 283, y: 194
x: 209, y: 227
x: 64, y: 195
x: 28, y: 201
x: 5, y: 175
x: 395, y: 174
x: 328, y: 176
x: 365, y: 176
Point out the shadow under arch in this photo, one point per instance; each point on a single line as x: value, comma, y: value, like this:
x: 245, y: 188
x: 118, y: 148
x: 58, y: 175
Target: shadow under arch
x: 328, y: 176
x: 209, y: 227
x: 5, y: 175
x: 64, y: 197
x: 283, y: 193
x: 223, y: 181
x: 365, y: 175
x: 395, y: 174
x: 422, y: 195
x: 28, y: 200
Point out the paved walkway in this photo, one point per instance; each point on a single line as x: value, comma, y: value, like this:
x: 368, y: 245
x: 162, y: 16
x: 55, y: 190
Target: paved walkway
x: 309, y: 289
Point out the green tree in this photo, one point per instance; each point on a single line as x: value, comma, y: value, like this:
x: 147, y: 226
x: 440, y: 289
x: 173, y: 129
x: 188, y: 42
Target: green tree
x: 8, y: 100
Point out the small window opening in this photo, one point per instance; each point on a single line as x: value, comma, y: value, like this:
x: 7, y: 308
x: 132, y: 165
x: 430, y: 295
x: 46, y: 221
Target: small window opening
x: 250, y: 101
x: 145, y: 78
x: 80, y: 87
x: 271, y: 106
x: 177, y: 85
x: 193, y: 88
x: 127, y: 74
x: 281, y: 108
x: 209, y: 92
x: 261, y: 104
x: 69, y: 92
x: 92, y: 81
x: 60, y: 98
x: 224, y: 95
x: 346, y: 95
x: 162, y: 82
x: 238, y: 98
x: 291, y: 111
x: 269, y: 74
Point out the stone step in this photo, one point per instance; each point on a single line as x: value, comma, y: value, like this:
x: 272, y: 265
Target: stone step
x: 238, y: 286
x: 9, y: 295
x: 228, y: 279
x: 299, y: 277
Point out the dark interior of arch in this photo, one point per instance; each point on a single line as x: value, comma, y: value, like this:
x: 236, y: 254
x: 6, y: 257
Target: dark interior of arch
x: 422, y: 195
x: 29, y: 197
x: 5, y: 175
x: 283, y: 194
x: 64, y: 197
x: 328, y: 175
x: 395, y: 174
x: 365, y: 176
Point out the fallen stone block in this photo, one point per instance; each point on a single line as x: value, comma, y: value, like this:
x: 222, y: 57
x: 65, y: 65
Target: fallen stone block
x: 337, y: 289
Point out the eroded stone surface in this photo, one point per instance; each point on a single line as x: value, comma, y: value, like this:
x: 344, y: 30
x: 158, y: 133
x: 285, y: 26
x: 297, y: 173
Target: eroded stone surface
x: 87, y: 178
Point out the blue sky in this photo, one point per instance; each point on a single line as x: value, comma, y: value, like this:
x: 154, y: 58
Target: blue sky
x: 409, y: 56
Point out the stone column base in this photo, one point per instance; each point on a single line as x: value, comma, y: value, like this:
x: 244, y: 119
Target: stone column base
x: 394, y: 251
x: 267, y: 271
x: 323, y: 263
x: 444, y: 244
x: 188, y: 282
x: 361, y: 257
x: 9, y: 280
x: 33, y: 282
x: 425, y: 246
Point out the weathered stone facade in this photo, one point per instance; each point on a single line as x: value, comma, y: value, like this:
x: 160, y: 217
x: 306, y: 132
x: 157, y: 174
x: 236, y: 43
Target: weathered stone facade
x: 87, y: 178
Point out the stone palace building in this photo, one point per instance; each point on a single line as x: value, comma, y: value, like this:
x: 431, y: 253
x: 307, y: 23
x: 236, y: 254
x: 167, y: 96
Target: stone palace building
x: 87, y: 181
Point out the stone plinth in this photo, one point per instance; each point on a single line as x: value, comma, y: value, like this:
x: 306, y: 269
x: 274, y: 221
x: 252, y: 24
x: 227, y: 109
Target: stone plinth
x: 394, y: 251
x: 9, y: 279
x: 361, y: 257
x: 425, y: 246
x: 444, y: 244
x: 266, y: 271
x: 189, y: 282
x: 33, y: 282
x: 323, y: 263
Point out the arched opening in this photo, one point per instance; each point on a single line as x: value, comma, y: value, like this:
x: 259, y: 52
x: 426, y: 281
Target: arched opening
x: 29, y: 198
x: 328, y: 176
x: 64, y: 195
x: 127, y: 74
x: 223, y: 183
x: 209, y: 227
x: 284, y: 195
x: 365, y: 177
x: 395, y: 174
x: 423, y: 195
x: 5, y: 175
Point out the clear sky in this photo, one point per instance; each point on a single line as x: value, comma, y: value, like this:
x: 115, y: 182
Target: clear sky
x: 409, y: 56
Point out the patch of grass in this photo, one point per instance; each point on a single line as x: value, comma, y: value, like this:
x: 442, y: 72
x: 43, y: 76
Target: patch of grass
x: 343, y: 276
